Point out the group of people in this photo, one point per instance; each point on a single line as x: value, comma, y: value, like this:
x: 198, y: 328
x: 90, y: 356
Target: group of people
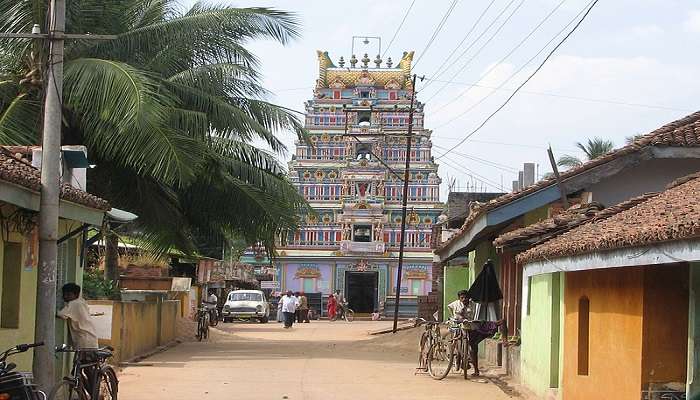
x: 293, y: 306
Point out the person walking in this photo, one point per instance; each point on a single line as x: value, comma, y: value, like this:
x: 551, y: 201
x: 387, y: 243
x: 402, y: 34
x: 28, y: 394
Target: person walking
x: 339, y: 304
x: 289, y: 307
x: 331, y: 307
x: 303, y: 311
x: 280, y: 314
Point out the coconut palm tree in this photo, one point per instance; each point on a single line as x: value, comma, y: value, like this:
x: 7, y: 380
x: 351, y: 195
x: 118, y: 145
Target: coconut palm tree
x: 168, y: 112
x: 593, y: 148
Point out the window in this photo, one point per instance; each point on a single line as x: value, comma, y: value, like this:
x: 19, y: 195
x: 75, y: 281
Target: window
x: 364, y: 94
x: 362, y: 233
x: 11, y: 273
x: 363, y: 151
x: 584, y: 307
x: 364, y: 116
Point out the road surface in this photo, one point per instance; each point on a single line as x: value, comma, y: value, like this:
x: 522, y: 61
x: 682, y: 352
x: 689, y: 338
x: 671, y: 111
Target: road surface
x: 320, y: 360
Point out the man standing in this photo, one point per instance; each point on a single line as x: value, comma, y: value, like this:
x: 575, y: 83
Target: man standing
x: 340, y: 306
x: 289, y: 306
x: 211, y: 304
x: 77, y: 313
x: 303, y: 315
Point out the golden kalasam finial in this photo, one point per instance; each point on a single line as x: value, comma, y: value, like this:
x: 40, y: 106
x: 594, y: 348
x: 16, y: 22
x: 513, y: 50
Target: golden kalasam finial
x: 389, y: 63
x: 365, y: 60
x: 378, y: 60
x: 353, y: 61
x: 341, y: 62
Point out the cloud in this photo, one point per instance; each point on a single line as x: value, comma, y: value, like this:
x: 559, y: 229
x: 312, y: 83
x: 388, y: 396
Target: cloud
x: 692, y: 23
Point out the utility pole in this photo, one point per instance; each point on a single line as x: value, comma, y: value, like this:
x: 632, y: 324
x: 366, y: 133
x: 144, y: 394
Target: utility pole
x: 45, y: 327
x: 404, y: 201
x: 45, y: 330
x: 560, y: 184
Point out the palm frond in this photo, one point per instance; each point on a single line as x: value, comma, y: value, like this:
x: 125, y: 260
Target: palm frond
x: 596, y: 147
x: 568, y: 161
x: 124, y: 115
x: 19, y: 124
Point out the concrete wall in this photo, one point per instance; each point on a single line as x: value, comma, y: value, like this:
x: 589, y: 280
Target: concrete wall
x: 138, y: 327
x: 615, y: 333
x: 540, y: 341
x: 23, y: 330
x: 693, y: 367
x: 456, y: 278
x: 649, y: 176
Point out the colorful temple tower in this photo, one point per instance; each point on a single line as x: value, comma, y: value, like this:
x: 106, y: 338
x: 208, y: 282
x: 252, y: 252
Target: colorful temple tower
x: 358, y: 124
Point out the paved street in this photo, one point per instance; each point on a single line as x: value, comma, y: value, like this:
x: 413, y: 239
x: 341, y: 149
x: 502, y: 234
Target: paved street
x: 321, y: 360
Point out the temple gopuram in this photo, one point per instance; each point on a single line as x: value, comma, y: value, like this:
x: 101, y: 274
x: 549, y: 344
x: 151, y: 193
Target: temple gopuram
x: 358, y: 125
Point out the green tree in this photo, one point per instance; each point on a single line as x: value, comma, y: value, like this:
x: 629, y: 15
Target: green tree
x: 593, y: 148
x: 168, y: 111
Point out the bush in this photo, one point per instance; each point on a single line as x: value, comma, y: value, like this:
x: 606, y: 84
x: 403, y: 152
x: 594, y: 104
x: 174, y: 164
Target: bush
x: 96, y: 287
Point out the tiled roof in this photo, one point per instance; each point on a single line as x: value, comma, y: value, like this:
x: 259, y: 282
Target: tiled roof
x: 684, y: 132
x: 22, y: 173
x: 672, y: 215
x: 564, y: 221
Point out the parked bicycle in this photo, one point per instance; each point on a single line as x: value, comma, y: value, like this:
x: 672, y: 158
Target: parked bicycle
x: 202, y: 323
x: 91, y: 378
x: 451, y: 353
x: 344, y: 312
x: 430, y: 335
x: 16, y: 385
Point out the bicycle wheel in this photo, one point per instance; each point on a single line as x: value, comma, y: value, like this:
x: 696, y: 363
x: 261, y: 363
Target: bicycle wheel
x: 424, y: 347
x: 107, y: 384
x: 64, y: 390
x: 200, y: 329
x: 440, y: 358
x: 349, y: 315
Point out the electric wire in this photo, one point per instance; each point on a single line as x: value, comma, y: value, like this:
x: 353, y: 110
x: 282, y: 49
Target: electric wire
x: 398, y: 28
x: 478, y: 128
x: 473, y: 106
x: 493, y: 164
x: 486, y: 43
x: 497, y: 64
x: 437, y: 30
x: 451, y: 162
x: 439, y: 71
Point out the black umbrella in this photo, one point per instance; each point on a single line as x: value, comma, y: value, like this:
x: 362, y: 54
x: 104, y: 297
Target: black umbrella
x: 485, y: 288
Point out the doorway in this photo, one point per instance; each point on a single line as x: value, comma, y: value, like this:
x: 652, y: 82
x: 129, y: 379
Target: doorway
x: 361, y: 290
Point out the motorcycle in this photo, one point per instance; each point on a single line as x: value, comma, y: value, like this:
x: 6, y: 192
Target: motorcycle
x: 16, y: 385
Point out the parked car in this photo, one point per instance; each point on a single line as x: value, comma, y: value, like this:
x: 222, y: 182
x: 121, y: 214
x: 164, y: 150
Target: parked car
x: 246, y: 305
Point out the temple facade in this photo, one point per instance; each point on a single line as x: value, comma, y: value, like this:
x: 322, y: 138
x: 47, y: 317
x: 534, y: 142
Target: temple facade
x: 351, y: 174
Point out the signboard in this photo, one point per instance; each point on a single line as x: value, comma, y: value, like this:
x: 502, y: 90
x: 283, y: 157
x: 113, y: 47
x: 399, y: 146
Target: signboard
x: 181, y: 284
x: 269, y: 285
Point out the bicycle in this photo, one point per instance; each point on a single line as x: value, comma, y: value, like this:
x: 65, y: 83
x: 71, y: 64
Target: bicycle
x: 91, y: 378
x: 214, y: 317
x: 430, y: 335
x: 452, y: 353
x: 18, y: 385
x: 202, y: 323
x: 345, y: 313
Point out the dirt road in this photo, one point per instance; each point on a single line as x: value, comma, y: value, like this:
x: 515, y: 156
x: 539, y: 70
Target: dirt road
x: 320, y: 360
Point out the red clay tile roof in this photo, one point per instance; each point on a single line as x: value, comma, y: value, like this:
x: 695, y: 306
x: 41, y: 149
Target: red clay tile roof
x: 671, y: 215
x: 574, y: 216
x: 684, y: 132
x: 22, y: 173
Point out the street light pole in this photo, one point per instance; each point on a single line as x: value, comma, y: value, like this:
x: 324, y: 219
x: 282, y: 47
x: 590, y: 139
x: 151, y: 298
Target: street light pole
x: 45, y: 330
x: 404, y: 201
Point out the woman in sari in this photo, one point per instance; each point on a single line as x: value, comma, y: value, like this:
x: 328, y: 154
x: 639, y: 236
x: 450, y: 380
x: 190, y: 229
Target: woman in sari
x: 331, y: 307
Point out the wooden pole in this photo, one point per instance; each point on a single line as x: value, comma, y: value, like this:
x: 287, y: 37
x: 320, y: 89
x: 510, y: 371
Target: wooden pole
x: 560, y: 184
x: 404, y: 201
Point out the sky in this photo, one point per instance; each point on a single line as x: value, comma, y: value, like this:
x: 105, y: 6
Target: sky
x: 631, y: 67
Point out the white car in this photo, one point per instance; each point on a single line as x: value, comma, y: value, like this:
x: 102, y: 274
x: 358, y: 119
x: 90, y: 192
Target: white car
x: 246, y: 304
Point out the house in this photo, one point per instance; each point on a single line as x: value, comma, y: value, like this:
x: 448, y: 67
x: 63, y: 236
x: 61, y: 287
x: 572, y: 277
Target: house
x: 20, y: 183
x: 646, y: 165
x: 629, y: 322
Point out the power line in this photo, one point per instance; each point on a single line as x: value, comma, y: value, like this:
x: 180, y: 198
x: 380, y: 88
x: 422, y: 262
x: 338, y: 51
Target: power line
x: 439, y: 71
x: 483, y: 46
x: 563, y: 96
x: 494, y: 66
x: 530, y: 146
x: 437, y: 30
x: 472, y: 174
x: 593, y: 3
x: 399, y: 28
x: 473, y: 106
x: 492, y: 164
